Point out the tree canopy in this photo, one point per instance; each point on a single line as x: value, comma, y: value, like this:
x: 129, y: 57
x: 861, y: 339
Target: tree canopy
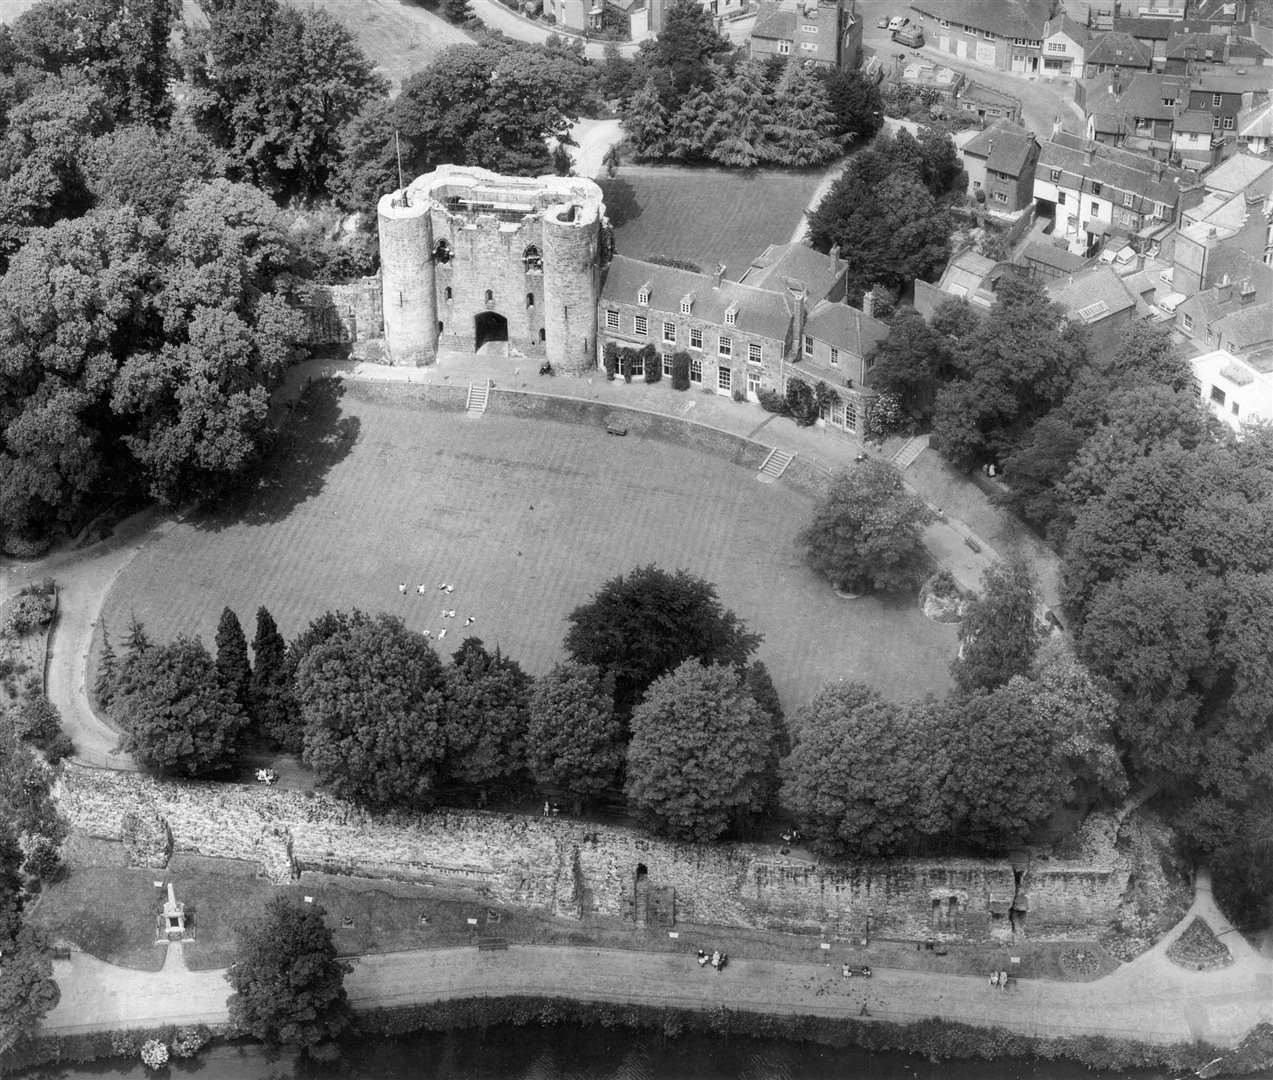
x: 485, y: 729
x: 999, y: 634
x: 289, y: 987
x: 372, y: 700
x: 178, y: 715
x: 865, y: 532
x: 703, y: 754
x: 574, y: 742
x: 642, y: 624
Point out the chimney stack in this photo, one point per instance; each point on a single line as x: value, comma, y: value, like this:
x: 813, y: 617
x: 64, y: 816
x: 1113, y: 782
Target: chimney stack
x: 172, y: 896
x: 835, y: 257
x: 1089, y: 153
x: 1246, y: 291
x: 718, y: 275
x: 1158, y: 170
x: 1224, y: 288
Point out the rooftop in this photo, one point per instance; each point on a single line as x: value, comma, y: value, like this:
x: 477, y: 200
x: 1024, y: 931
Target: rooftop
x: 1120, y: 169
x: 1007, y: 18
x: 1091, y: 295
x: 1005, y: 146
x: 779, y: 262
x: 1118, y: 47
x: 845, y: 326
x: 1236, y: 173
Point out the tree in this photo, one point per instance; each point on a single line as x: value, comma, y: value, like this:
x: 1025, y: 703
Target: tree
x: 742, y: 135
x: 685, y: 46
x: 886, y: 222
x: 1015, y: 365
x: 372, y: 700
x: 274, y: 706
x: 855, y: 104
x: 702, y: 755
x: 104, y: 684
x: 123, y: 48
x: 693, y: 125
x: 288, y: 984
x: 233, y: 668
x: 943, y: 168
x: 485, y: 726
x: 27, y: 990
x: 865, y: 533
x: 368, y: 166
x: 1000, y: 632
x: 910, y: 362
x: 574, y: 742
x: 646, y: 122
x: 864, y: 775
x: 643, y: 624
x: 178, y: 716
x: 148, y: 168
x: 274, y: 87
x: 802, y: 129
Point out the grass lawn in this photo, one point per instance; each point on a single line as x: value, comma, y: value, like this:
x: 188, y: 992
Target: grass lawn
x: 107, y: 909
x: 706, y: 216
x: 526, y: 519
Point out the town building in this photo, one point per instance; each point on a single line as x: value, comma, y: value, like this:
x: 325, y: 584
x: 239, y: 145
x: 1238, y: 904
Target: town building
x: 987, y: 104
x: 1004, y: 34
x: 1099, y: 300
x: 969, y: 276
x: 1237, y: 391
x: 1064, y: 48
x: 1000, y: 161
x: 1137, y: 111
x: 1116, y: 50
x: 1096, y: 193
x: 1254, y: 128
x: 826, y: 35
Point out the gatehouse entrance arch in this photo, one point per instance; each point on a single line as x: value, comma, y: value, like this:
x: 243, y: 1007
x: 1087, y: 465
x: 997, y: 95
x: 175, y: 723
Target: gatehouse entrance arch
x: 490, y: 333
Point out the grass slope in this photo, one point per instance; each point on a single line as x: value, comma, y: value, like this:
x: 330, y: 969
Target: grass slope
x: 526, y: 519
x: 706, y: 216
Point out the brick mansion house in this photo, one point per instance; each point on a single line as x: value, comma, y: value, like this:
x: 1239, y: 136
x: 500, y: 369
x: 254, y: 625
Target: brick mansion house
x: 471, y: 260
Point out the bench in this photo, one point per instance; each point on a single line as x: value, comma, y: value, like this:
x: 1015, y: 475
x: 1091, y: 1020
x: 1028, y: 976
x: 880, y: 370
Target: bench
x: 613, y: 427
x: 491, y: 944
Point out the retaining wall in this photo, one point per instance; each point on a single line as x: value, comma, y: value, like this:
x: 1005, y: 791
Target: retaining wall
x: 573, y: 868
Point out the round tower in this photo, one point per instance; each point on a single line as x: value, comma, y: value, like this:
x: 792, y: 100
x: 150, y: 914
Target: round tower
x: 572, y: 232
x: 406, y: 272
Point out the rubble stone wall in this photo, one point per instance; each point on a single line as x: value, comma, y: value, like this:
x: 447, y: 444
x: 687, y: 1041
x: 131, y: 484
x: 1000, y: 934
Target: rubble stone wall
x: 573, y: 868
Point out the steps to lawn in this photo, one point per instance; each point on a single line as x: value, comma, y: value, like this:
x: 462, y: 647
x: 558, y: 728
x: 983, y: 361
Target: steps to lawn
x: 774, y: 466
x: 908, y: 452
x: 477, y: 399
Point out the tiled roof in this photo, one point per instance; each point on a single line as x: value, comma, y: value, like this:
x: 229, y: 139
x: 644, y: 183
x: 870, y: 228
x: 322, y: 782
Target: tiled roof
x: 1052, y: 255
x: 760, y: 311
x: 979, y: 92
x: 1208, y: 308
x: 1006, y: 18
x: 845, y: 327
x: 1092, y: 295
x: 779, y: 261
x: 1075, y: 31
x: 1195, y: 46
x: 1247, y: 327
x: 1193, y: 121
x: 1146, y: 29
x: 1005, y: 146
x: 1110, y: 166
x: 1119, y: 48
x: 1236, y: 173
x: 772, y: 21
x: 1230, y: 82
x: 1257, y: 121
x: 1140, y: 95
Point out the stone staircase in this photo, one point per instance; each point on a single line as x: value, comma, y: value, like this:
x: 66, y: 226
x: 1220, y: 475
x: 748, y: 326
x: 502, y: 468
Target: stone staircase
x: 908, y: 452
x: 774, y: 466
x: 478, y: 396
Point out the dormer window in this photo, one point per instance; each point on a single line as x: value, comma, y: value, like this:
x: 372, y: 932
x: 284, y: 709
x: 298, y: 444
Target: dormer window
x: 643, y: 294
x: 687, y: 304
x: 731, y: 315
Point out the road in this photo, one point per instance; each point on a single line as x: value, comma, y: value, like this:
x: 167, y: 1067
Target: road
x: 1150, y: 1000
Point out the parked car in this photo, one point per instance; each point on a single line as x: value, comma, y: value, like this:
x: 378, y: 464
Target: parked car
x: 883, y: 23
x: 898, y: 21
x: 910, y: 36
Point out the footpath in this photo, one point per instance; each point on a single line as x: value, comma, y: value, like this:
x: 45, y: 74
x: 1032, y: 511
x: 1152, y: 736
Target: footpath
x: 1150, y: 999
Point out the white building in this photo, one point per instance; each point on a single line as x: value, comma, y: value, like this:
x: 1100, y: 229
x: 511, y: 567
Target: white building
x: 1237, y: 391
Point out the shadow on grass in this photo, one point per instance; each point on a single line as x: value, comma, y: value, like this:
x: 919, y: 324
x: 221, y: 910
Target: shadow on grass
x: 313, y: 439
x: 621, y: 201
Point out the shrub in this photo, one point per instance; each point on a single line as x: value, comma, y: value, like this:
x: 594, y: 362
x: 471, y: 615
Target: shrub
x: 804, y: 402
x: 680, y: 371
x: 884, y: 415
x: 653, y: 363
x: 58, y: 748
x: 188, y: 1041
x: 772, y: 401
x: 739, y: 394
x: 154, y: 1054
x: 43, y: 861
x: 28, y: 612
x: 610, y: 359
x: 39, y: 720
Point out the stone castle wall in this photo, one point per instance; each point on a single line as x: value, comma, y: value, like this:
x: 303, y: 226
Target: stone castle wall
x: 574, y: 869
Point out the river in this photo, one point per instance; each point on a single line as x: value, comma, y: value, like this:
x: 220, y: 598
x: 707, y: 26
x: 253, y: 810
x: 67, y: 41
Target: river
x: 572, y: 1052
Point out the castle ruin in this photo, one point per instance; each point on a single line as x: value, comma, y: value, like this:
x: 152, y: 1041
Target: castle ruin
x: 475, y: 261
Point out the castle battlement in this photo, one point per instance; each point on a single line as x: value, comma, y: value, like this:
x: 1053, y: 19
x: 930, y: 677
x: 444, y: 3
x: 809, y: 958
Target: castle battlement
x: 470, y: 258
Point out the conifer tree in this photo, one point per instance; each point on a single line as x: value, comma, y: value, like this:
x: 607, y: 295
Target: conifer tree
x: 274, y: 705
x: 233, y: 668
x: 104, y: 686
x: 741, y: 134
x: 137, y: 640
x: 803, y: 120
x: 693, y: 124
x: 646, y: 122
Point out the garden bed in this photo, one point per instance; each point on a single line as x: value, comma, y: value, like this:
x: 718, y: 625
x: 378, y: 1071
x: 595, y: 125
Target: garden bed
x: 1199, y: 949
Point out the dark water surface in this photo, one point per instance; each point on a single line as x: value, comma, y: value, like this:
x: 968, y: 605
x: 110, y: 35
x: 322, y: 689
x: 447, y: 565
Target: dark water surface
x: 571, y: 1052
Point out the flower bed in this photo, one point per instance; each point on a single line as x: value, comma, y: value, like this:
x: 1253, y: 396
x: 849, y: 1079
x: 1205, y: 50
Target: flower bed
x: 1199, y: 949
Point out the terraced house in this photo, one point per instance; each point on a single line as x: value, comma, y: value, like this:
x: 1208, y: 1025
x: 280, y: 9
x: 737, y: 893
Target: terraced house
x: 1003, y: 34
x: 784, y: 319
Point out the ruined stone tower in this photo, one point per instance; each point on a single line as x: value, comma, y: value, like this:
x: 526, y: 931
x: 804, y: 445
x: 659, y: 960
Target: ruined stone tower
x: 470, y: 258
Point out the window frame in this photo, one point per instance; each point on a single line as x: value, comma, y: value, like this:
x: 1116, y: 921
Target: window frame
x: 696, y: 338
x: 696, y: 369
x: 669, y: 332
x: 754, y: 353
x: 724, y: 379
x: 725, y: 346
x: 612, y: 319
x: 641, y: 325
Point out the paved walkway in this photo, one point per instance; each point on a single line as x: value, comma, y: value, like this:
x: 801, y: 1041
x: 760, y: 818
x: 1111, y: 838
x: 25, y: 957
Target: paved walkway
x: 1150, y: 999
